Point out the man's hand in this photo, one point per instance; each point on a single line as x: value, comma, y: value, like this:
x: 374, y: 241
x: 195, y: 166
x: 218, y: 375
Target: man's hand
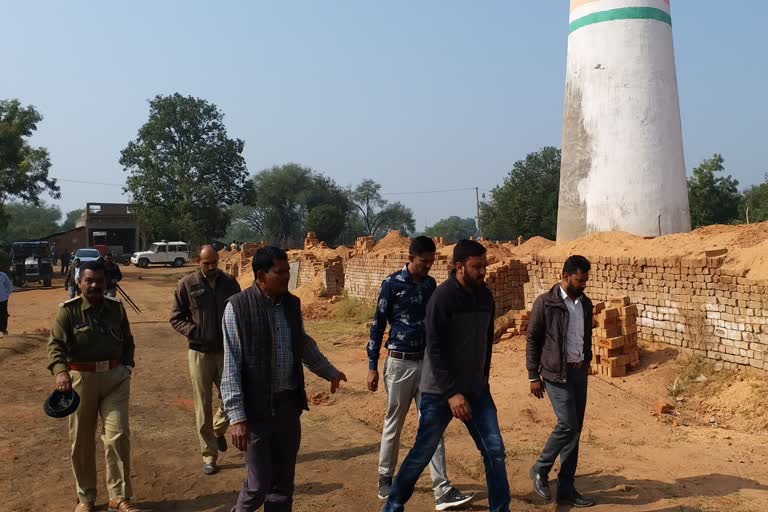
x: 537, y: 388
x: 460, y: 407
x: 240, y: 435
x: 63, y: 382
x: 336, y: 381
x: 373, y: 380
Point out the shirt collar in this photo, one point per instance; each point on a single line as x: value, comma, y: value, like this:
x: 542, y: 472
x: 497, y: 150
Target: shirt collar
x: 405, y: 276
x: 565, y: 296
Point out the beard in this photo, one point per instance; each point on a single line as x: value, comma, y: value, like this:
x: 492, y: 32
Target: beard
x: 574, y: 291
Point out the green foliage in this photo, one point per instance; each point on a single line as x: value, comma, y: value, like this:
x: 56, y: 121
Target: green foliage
x: 713, y: 199
x: 185, y: 171
x: 290, y: 200
x: 23, y: 168
x: 71, y: 219
x: 355, y: 311
x: 29, y: 222
x: 327, y: 221
x: 755, y: 198
x: 377, y: 215
x: 526, y: 203
x: 453, y: 229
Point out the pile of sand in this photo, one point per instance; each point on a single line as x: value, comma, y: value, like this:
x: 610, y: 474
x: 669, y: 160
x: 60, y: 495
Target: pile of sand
x: 530, y: 247
x: 393, y: 243
x: 497, y: 252
x: 746, y: 244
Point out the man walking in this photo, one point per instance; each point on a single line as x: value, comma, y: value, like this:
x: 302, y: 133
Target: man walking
x: 6, y: 288
x: 198, y: 308
x: 402, y: 303
x: 91, y: 351
x: 72, y: 278
x: 263, y: 384
x: 454, y: 380
x: 66, y: 259
x: 113, y: 275
x: 558, y: 353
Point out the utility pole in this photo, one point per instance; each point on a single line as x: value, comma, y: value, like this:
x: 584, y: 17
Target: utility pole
x: 477, y: 203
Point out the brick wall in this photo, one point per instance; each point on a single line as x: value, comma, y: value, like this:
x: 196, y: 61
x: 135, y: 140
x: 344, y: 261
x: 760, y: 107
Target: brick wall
x: 690, y: 303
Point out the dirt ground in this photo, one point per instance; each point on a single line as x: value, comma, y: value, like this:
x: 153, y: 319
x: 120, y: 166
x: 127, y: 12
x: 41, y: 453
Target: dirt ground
x: 631, y: 460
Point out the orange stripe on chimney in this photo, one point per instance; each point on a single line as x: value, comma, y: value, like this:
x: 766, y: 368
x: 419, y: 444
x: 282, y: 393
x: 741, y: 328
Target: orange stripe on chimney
x: 575, y: 4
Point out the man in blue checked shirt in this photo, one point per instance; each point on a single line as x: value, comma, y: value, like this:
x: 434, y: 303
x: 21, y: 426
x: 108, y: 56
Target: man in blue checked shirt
x: 403, y: 304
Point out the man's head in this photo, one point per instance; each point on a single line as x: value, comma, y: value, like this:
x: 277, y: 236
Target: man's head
x: 421, y: 256
x: 271, y: 270
x: 469, y: 263
x: 575, y: 275
x: 92, y: 281
x: 209, y: 261
x: 108, y: 258
x: 77, y: 262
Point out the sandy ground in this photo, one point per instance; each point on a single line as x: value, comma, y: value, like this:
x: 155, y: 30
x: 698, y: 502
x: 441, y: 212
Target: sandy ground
x: 631, y: 460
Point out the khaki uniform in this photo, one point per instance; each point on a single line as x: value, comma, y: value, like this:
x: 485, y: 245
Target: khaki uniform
x: 84, y: 333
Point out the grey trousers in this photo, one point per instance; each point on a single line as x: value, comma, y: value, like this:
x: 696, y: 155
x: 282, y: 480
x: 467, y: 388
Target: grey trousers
x: 270, y: 459
x: 569, y: 402
x: 401, y: 382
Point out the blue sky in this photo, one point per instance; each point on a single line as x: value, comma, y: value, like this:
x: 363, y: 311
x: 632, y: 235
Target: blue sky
x: 418, y: 95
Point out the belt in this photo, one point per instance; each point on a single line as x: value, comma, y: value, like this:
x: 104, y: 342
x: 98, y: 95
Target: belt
x: 576, y: 365
x: 94, y: 366
x: 407, y: 356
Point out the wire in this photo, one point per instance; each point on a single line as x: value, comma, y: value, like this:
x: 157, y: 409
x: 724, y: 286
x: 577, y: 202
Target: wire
x: 91, y: 182
x: 430, y: 191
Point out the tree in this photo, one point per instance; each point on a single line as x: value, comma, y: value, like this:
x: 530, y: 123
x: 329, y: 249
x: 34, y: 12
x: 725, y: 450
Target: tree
x: 526, y: 203
x: 185, y: 172
x: 290, y: 200
x: 378, y: 215
x: 755, y: 202
x: 29, y: 222
x: 453, y: 228
x: 713, y: 199
x: 23, y: 168
x: 70, y: 220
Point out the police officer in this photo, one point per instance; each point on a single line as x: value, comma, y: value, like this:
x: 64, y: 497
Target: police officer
x: 91, y: 351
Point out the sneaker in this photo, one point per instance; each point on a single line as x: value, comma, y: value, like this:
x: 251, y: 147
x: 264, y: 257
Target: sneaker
x: 385, y: 484
x: 453, y: 498
x: 209, y: 468
x: 221, y: 443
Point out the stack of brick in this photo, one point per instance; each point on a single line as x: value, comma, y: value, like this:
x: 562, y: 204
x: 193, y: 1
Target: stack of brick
x: 506, y: 281
x: 311, y: 240
x: 614, y: 338
x: 518, y: 324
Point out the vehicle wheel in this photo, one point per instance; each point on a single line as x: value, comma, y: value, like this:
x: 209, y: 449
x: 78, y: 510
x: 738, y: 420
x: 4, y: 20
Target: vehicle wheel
x: 178, y: 262
x: 143, y: 262
x: 47, y: 283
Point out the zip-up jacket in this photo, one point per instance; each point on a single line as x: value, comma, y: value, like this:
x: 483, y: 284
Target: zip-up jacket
x: 546, y: 340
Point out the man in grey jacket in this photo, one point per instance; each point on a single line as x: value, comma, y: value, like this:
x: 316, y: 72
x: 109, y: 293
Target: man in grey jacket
x: 198, y: 308
x: 454, y: 381
x: 558, y: 353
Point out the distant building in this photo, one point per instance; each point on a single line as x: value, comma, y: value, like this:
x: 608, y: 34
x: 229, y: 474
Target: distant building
x: 110, y: 224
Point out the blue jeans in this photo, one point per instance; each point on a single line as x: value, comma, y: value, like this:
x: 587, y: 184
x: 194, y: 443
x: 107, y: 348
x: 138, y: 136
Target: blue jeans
x: 73, y: 290
x: 484, y: 429
x: 569, y: 402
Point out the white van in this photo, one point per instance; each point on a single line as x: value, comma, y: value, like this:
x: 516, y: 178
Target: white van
x: 162, y: 253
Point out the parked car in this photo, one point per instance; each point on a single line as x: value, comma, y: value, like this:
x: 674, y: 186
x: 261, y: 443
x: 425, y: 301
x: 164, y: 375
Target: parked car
x: 162, y: 253
x: 87, y: 254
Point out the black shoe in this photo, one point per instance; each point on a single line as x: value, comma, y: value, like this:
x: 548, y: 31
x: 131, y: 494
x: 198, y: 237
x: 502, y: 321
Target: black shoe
x: 210, y: 468
x: 541, y: 485
x: 221, y: 443
x: 577, y: 500
x: 385, y: 484
x: 453, y: 498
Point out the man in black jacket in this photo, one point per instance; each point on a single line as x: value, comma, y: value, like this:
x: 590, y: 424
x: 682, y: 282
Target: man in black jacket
x: 112, y: 274
x: 454, y: 379
x: 558, y: 353
x: 198, y: 308
x: 262, y: 386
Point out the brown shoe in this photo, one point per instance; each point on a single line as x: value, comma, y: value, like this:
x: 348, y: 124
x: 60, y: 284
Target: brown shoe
x: 84, y: 507
x: 122, y: 506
